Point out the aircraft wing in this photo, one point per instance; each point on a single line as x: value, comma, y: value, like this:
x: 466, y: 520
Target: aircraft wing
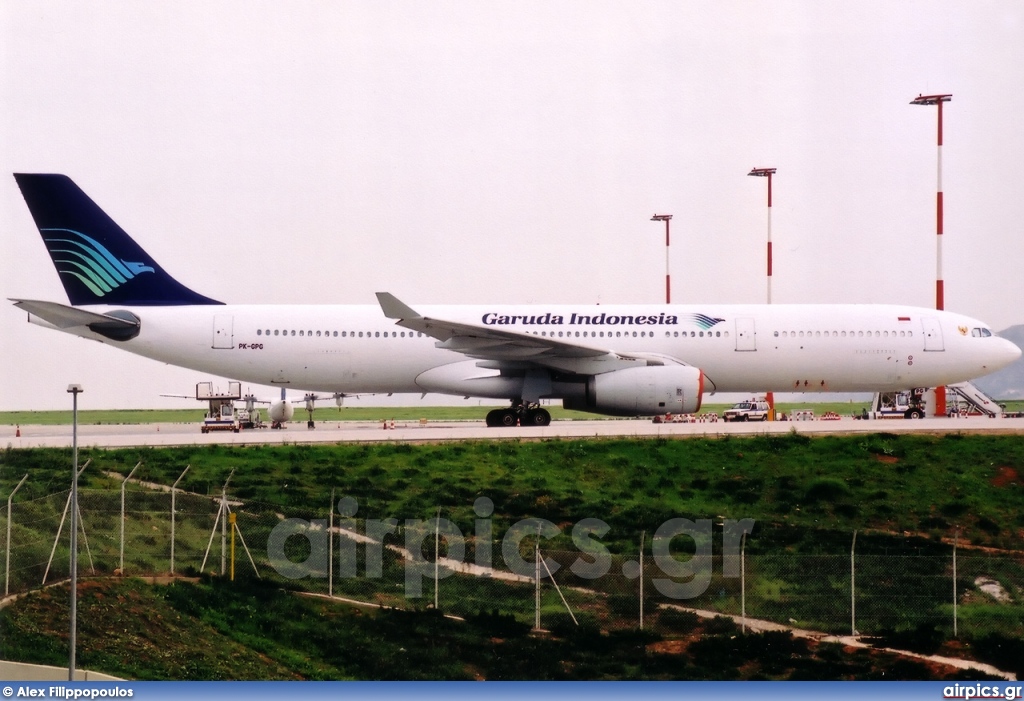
x: 65, y: 317
x: 505, y: 347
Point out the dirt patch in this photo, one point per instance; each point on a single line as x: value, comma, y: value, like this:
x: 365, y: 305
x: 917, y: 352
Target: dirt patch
x: 668, y: 647
x: 887, y: 459
x: 1005, y: 476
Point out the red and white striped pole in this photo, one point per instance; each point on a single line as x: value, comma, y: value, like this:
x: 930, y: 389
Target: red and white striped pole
x: 768, y: 173
x: 940, y: 292
x: 668, y: 280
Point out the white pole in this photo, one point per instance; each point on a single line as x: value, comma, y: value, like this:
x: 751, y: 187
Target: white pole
x: 7, y: 567
x: 125, y: 482
x: 174, y: 489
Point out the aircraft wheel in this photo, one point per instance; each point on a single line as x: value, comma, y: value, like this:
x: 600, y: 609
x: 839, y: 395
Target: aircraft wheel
x: 508, y: 417
x: 537, y: 417
x: 492, y: 419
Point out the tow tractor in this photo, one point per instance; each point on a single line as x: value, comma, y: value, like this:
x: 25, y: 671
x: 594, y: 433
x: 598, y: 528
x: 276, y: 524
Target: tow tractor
x: 899, y: 405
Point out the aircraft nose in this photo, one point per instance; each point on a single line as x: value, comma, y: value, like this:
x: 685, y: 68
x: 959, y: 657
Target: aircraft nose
x: 1006, y: 354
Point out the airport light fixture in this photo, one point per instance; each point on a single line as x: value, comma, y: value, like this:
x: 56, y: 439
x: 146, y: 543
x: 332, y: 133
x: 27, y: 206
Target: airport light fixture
x: 668, y: 280
x: 940, y: 292
x: 74, y: 391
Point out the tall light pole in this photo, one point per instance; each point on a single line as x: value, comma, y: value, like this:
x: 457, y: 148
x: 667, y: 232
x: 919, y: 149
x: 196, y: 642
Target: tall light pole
x: 668, y: 281
x: 768, y: 173
x: 940, y: 293
x: 74, y: 390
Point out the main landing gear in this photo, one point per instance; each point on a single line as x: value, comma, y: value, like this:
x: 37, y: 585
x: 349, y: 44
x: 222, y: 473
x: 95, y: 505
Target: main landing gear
x: 519, y: 414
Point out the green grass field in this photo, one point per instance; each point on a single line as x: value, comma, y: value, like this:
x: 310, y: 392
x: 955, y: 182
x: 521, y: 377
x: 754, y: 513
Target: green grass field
x: 350, y: 413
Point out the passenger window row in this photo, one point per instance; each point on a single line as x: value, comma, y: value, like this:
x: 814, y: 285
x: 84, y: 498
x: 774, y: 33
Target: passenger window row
x: 336, y: 334
x: 844, y: 334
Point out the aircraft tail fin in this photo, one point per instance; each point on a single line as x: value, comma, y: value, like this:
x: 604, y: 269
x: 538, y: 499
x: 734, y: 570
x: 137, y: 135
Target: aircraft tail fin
x: 98, y: 262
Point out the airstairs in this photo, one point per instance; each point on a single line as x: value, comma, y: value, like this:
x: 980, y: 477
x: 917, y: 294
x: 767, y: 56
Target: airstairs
x: 964, y: 399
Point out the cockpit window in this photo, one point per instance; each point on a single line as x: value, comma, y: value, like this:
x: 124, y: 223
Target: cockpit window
x: 980, y: 333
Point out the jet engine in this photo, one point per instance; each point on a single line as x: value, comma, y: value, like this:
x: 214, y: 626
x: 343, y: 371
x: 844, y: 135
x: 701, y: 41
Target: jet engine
x: 281, y: 411
x: 644, y: 391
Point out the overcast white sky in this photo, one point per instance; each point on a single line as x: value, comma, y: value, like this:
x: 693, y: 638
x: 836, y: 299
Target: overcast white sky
x: 464, y: 152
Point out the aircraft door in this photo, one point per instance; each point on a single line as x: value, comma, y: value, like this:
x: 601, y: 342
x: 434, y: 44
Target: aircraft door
x: 223, y: 331
x: 745, y: 339
x: 932, y: 334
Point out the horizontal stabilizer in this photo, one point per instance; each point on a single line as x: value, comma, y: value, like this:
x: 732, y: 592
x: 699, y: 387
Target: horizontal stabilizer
x: 64, y: 317
x: 117, y: 326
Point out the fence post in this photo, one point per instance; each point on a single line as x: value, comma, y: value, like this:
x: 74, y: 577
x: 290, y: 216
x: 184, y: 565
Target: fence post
x: 222, y: 511
x: 121, y: 560
x: 743, y: 579
x: 7, y: 567
x: 956, y: 536
x: 437, y: 552
x: 853, y: 589
x: 643, y: 535
x: 174, y: 489
x: 60, y: 528
x: 224, y: 525
x: 536, y: 580
x: 330, y: 548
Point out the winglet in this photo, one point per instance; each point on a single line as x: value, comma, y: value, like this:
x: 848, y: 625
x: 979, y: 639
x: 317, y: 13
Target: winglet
x: 394, y: 308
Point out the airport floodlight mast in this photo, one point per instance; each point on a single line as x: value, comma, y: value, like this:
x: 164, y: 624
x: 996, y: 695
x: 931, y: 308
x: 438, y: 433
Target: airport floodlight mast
x: 74, y: 391
x: 668, y: 281
x: 768, y: 173
x: 940, y: 292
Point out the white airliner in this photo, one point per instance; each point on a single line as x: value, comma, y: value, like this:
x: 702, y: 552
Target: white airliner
x: 619, y: 360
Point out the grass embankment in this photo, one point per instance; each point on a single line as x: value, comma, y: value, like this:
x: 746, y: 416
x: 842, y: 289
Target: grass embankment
x: 256, y: 631
x: 936, y: 486
x: 903, y: 493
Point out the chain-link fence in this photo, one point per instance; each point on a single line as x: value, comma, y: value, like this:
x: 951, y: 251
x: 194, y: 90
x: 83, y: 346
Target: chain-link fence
x: 513, y: 575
